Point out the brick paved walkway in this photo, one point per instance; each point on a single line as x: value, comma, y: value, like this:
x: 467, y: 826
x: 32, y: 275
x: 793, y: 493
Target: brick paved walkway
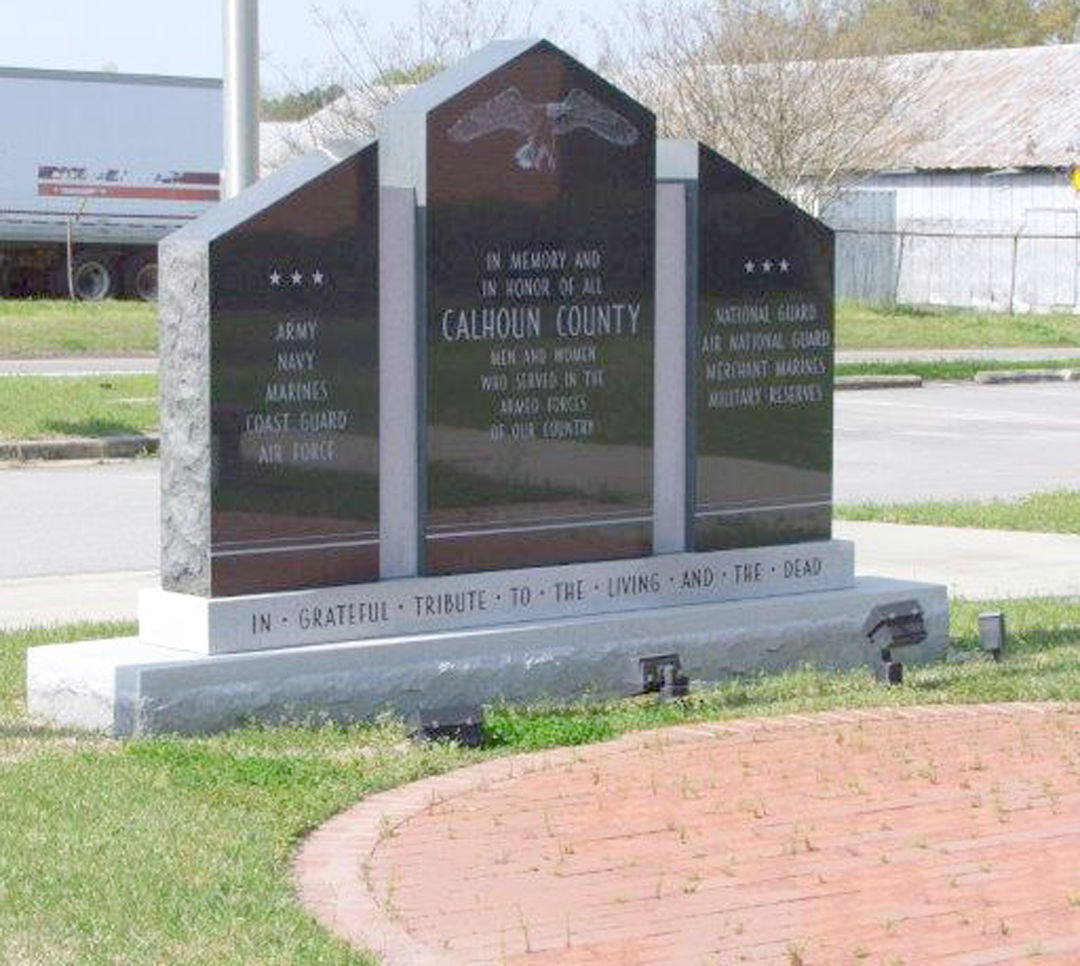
x: 932, y: 835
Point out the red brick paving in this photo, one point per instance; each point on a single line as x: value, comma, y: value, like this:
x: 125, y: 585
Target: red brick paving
x: 932, y: 835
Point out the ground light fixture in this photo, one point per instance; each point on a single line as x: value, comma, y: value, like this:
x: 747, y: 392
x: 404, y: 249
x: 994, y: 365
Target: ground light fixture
x: 992, y: 633
x: 890, y: 626
x: 662, y: 675
x: 463, y: 723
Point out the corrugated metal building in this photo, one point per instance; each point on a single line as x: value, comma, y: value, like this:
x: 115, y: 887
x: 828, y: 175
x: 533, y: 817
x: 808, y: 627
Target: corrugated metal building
x: 979, y: 207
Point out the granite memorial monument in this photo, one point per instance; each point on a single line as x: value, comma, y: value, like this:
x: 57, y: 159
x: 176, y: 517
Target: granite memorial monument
x: 502, y: 406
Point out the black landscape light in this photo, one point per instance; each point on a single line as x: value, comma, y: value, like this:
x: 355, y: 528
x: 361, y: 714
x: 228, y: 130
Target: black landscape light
x: 661, y: 674
x: 463, y: 723
x: 992, y: 633
x: 889, y: 626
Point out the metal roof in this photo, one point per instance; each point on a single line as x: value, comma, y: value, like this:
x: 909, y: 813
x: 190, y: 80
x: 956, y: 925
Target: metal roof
x: 107, y: 77
x: 966, y: 109
x: 1014, y: 108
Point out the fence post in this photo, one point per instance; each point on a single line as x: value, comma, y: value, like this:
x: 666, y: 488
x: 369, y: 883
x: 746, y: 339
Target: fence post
x: 899, y: 268
x: 1012, y: 275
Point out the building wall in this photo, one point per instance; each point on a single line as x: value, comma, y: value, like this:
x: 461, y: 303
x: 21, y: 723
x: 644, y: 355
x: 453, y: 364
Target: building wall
x: 1005, y: 241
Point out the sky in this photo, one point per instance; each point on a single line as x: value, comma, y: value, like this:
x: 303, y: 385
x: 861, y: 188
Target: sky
x: 183, y: 37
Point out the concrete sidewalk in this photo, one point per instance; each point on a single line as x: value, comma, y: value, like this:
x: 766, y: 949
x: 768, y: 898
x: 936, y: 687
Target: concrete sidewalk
x: 33, y: 601
x: 976, y: 564
x: 79, y: 366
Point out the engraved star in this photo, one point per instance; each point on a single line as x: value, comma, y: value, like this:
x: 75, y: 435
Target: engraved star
x: 766, y: 266
x: 296, y: 277
x: 317, y: 277
x: 785, y: 265
x: 275, y: 277
x: 749, y: 266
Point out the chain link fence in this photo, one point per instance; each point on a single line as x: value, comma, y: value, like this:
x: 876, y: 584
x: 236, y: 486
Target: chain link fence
x: 1032, y: 268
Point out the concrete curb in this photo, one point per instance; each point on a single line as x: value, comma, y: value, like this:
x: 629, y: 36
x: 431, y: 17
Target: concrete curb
x: 877, y: 382
x: 107, y: 447
x: 997, y: 377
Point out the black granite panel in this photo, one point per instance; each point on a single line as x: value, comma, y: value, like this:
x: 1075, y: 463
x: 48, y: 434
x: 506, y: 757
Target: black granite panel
x: 539, y: 320
x: 763, y: 366
x: 294, y: 389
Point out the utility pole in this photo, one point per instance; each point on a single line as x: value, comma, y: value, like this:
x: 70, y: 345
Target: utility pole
x: 241, y: 76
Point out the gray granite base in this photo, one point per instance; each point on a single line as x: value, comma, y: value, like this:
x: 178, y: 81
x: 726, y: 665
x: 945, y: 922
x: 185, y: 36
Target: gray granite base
x: 432, y: 605
x: 126, y: 687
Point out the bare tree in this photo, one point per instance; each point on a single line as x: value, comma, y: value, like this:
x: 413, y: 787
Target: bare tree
x: 373, y: 69
x: 771, y: 84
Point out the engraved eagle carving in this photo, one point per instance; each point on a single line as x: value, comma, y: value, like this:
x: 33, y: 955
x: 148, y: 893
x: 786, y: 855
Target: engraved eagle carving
x: 542, y: 124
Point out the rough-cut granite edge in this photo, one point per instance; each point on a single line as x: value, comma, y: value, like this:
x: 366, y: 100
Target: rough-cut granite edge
x: 185, y: 416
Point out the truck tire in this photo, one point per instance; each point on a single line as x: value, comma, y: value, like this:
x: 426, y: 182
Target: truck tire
x: 94, y: 278
x: 5, y: 277
x: 140, y: 278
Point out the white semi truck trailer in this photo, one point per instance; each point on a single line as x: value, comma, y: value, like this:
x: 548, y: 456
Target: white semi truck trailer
x: 95, y: 168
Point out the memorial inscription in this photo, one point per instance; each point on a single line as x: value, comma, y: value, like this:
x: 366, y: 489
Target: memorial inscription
x: 763, y: 365
x: 540, y: 181
x: 432, y: 604
x: 293, y: 349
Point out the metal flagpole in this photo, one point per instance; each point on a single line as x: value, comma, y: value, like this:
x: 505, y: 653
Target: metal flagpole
x: 241, y: 76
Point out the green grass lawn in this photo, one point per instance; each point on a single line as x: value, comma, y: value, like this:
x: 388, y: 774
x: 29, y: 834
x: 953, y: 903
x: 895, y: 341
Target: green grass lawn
x: 1056, y: 512
x: 39, y: 407
x: 176, y: 850
x: 865, y: 327
x: 56, y: 327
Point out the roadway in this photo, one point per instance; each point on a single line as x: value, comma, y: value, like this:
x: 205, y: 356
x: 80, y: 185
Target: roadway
x: 945, y: 441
